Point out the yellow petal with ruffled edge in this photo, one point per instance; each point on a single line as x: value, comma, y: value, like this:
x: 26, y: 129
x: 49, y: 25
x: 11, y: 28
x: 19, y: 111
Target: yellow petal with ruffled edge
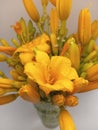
x: 55, y: 74
x: 64, y: 85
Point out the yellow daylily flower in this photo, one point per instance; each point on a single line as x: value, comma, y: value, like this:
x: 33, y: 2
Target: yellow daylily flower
x: 41, y: 42
x: 52, y: 74
x: 27, y: 51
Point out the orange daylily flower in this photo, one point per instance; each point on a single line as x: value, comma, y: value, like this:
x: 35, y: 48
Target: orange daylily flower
x: 52, y: 74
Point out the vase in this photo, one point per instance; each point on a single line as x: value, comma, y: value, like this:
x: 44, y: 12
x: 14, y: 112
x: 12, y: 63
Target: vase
x: 48, y: 113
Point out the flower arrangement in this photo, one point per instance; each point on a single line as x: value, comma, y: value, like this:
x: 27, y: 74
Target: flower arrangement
x: 47, y: 64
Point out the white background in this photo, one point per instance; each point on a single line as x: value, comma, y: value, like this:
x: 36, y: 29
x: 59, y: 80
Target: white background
x: 20, y: 115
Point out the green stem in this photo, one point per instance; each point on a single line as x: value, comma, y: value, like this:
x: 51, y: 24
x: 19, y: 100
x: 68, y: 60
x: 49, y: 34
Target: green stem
x: 63, y: 29
x: 39, y: 27
x: 45, y: 15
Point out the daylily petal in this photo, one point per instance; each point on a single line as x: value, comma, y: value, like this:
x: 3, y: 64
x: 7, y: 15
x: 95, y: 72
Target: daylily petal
x: 72, y: 74
x: 42, y: 57
x: 61, y: 65
x: 57, y: 61
x: 64, y: 85
x: 26, y: 57
x: 24, y: 48
x: 41, y: 42
x: 35, y: 72
x: 44, y: 47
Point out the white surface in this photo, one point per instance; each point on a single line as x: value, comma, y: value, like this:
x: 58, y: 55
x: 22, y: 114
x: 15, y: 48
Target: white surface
x: 21, y: 115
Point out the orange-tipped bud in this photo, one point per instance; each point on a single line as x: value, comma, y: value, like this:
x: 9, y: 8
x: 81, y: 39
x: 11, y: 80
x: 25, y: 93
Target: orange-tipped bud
x: 8, y: 98
x: 84, y: 26
x: 58, y: 99
x: 71, y: 101
x: 7, y: 50
x: 53, y: 2
x: 17, y: 28
x: 29, y: 93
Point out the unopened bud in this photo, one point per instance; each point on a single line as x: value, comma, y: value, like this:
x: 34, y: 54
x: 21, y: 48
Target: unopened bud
x: 63, y: 8
x: 29, y: 93
x: 71, y: 100
x: 58, y: 99
x: 84, y: 26
x: 53, y: 2
x: 44, y: 2
x: 2, y: 57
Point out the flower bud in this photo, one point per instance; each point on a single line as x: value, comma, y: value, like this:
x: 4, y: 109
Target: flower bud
x: 71, y: 100
x: 84, y: 26
x: 2, y: 58
x: 54, y: 43
x: 63, y: 8
x: 15, y: 75
x: 8, y: 98
x: 17, y: 28
x: 53, y: 21
x: 29, y: 93
x: 79, y: 84
x: 53, y: 2
x: 58, y: 99
x: 32, y: 10
x: 94, y: 29
x: 44, y: 2
x: 66, y: 121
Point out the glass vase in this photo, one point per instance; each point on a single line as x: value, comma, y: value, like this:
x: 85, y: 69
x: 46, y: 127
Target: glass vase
x: 48, y: 114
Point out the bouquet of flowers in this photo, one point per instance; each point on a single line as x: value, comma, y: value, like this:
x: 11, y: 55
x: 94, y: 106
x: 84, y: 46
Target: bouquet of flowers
x: 46, y: 63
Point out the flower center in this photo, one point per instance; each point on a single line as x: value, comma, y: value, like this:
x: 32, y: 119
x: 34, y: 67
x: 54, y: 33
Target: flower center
x: 50, y: 76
